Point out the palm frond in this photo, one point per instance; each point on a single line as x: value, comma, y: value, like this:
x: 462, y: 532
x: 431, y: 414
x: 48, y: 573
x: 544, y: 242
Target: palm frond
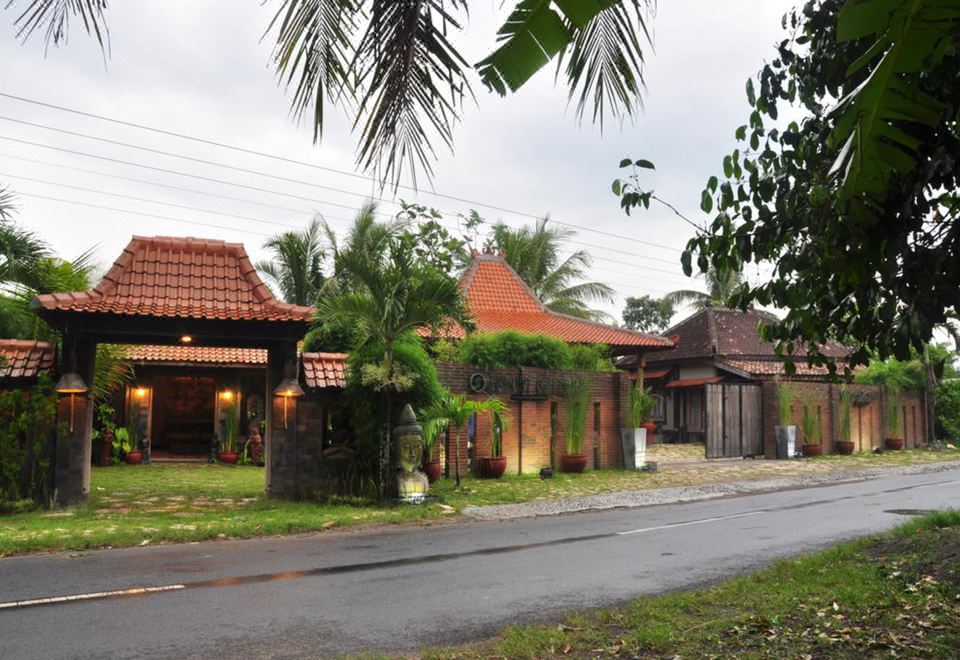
x: 605, y: 68
x: 7, y: 204
x: 53, y: 17
x: 313, y: 52
x: 698, y: 299
x: 112, y: 370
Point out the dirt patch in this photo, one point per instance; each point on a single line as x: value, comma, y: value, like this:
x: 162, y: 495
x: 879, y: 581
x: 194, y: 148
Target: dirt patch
x: 928, y: 555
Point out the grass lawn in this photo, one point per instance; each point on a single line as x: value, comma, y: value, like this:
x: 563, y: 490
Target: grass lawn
x: 176, y: 502
x: 892, y: 596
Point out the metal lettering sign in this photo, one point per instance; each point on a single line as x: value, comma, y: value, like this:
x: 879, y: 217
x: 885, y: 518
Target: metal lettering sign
x: 542, y: 385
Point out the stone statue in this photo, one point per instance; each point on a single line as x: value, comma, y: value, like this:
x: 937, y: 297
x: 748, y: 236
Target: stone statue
x: 412, y: 484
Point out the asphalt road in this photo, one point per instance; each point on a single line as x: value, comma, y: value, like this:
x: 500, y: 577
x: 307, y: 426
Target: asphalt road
x: 401, y: 589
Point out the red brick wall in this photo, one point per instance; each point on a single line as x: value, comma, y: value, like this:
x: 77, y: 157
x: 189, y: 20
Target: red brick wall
x: 609, y: 390
x: 868, y: 425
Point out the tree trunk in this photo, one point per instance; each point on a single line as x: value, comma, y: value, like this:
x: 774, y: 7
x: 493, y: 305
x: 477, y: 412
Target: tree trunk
x: 386, y: 403
x: 456, y: 467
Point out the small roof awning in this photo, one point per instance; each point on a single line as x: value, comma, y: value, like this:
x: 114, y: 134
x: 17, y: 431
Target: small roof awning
x: 693, y: 382
x: 323, y: 370
x: 658, y: 374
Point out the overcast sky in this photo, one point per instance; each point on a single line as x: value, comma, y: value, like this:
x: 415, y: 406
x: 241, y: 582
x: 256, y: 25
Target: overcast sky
x: 200, y: 68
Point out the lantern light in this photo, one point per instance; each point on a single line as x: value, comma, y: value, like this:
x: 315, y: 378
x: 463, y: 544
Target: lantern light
x: 227, y: 395
x: 140, y: 392
x: 186, y: 339
x: 287, y: 389
x: 71, y: 383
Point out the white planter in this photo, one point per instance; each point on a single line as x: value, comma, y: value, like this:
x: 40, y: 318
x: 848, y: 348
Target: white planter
x: 634, y: 443
x: 786, y: 441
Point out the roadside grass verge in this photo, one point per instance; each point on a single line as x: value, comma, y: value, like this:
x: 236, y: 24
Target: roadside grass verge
x: 896, y: 595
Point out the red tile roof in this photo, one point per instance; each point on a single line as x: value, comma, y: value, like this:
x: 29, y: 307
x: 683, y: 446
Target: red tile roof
x: 182, y: 278
x: 20, y: 358
x: 499, y: 300
x: 322, y: 370
x: 693, y: 382
x: 772, y: 367
x: 651, y: 375
x: 212, y: 355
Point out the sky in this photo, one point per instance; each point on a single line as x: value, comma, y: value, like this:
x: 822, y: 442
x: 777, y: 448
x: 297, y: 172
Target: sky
x: 203, y: 69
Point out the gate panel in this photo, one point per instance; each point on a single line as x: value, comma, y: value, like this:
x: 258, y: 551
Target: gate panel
x: 714, y: 412
x: 734, y: 422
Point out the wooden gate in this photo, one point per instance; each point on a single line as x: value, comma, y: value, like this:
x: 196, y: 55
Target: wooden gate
x: 734, y: 420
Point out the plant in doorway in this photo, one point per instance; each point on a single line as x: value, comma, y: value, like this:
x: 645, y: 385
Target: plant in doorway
x: 894, y: 434
x: 229, y: 445
x: 493, y: 466
x: 125, y: 444
x: 811, y: 433
x: 574, y: 460
x: 845, y: 445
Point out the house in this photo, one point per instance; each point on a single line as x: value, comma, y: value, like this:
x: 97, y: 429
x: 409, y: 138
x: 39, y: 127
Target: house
x: 718, y: 383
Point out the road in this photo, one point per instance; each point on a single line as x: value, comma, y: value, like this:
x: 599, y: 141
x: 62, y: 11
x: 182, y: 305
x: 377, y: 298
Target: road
x: 400, y: 589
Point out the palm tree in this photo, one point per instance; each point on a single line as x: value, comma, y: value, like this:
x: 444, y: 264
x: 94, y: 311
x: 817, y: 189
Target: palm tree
x: 390, y: 294
x: 367, y: 238
x: 720, y: 286
x: 394, y: 63
x: 534, y: 253
x: 296, y: 269
x: 454, y: 410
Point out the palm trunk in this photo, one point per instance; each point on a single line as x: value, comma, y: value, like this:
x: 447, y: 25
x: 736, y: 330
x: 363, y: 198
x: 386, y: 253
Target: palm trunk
x: 456, y: 467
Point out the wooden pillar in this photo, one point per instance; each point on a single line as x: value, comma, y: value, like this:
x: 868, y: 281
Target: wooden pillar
x: 71, y: 473
x: 282, y: 456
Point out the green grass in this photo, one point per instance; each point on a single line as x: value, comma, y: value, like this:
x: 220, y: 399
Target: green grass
x: 892, y: 596
x: 133, y: 505
x: 137, y: 505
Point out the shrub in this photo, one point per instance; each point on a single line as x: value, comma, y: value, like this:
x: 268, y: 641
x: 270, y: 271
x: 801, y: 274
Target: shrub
x: 893, y: 374
x: 590, y: 357
x: 332, y: 337
x: 444, y: 350
x: 578, y: 398
x: 948, y: 410
x: 28, y: 421
x: 508, y: 348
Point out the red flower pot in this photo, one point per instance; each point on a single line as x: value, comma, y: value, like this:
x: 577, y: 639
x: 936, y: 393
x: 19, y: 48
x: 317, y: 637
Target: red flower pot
x: 573, y: 462
x: 651, y: 428
x: 493, y: 467
x: 432, y: 469
x: 812, y: 450
x: 228, y: 457
x: 844, y: 447
x: 893, y: 443
x: 134, y: 457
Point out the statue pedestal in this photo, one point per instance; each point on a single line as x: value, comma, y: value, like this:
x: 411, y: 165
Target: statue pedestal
x: 412, y: 486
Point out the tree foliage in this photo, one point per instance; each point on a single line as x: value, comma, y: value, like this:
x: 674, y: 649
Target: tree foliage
x: 295, y: 269
x: 648, y: 314
x: 855, y: 203
x: 27, y: 423
x: 395, y: 64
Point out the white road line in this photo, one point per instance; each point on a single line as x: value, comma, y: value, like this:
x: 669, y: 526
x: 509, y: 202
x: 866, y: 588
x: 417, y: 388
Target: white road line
x: 136, y: 591
x: 691, y: 522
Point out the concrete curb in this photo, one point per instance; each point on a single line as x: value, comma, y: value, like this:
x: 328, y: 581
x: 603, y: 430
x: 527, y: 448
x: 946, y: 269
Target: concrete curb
x: 654, y: 496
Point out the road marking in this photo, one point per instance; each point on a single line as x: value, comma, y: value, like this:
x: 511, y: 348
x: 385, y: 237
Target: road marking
x: 690, y: 522
x: 136, y: 591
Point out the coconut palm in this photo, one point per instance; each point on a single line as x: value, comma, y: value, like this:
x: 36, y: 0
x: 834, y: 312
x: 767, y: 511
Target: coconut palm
x: 296, y: 267
x: 535, y: 254
x: 720, y: 286
x: 395, y: 63
x: 391, y: 294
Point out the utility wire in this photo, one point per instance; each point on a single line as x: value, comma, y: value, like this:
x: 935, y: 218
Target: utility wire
x: 288, y: 160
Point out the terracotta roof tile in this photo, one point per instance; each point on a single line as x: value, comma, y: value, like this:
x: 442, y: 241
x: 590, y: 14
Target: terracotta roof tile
x: 772, y: 367
x: 20, y: 358
x: 693, y: 382
x: 321, y: 370
x: 176, y: 277
x: 212, y: 355
x: 499, y: 300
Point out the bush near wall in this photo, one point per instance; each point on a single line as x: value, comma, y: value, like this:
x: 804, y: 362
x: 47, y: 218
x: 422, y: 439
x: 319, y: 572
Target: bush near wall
x: 28, y: 419
x: 948, y: 410
x: 508, y: 348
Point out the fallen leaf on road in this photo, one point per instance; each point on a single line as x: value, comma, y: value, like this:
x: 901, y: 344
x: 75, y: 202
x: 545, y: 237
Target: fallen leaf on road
x: 329, y: 524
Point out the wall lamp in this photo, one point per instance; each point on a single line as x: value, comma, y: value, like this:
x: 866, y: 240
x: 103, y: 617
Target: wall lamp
x: 72, y: 384
x: 288, y: 388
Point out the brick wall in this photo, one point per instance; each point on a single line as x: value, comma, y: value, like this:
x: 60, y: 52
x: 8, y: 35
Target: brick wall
x: 868, y: 425
x: 541, y: 445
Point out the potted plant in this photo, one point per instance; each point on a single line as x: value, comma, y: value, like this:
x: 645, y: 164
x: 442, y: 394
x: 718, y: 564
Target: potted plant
x: 433, y: 425
x: 125, y: 440
x: 811, y: 433
x: 785, y: 431
x: 103, y: 434
x: 845, y: 444
x: 894, y: 438
x: 574, y: 460
x: 455, y: 410
x: 493, y: 466
x: 634, y: 437
x: 228, y: 450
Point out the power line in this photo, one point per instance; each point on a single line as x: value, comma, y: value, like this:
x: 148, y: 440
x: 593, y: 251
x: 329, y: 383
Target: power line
x: 289, y: 160
x: 272, y: 192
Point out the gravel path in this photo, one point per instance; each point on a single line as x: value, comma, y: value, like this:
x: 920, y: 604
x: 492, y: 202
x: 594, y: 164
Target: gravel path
x: 689, y: 493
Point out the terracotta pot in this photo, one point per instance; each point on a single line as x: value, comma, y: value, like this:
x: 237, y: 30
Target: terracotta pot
x: 228, y: 457
x: 844, y: 447
x: 492, y: 467
x: 134, y: 457
x: 893, y: 443
x: 573, y: 462
x: 432, y: 469
x: 812, y: 450
x: 651, y: 428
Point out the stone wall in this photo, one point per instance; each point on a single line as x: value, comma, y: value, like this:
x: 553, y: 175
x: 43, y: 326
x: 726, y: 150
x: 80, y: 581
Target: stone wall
x: 533, y: 441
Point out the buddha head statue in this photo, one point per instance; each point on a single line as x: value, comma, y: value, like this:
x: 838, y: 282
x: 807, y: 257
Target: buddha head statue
x: 408, y: 436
